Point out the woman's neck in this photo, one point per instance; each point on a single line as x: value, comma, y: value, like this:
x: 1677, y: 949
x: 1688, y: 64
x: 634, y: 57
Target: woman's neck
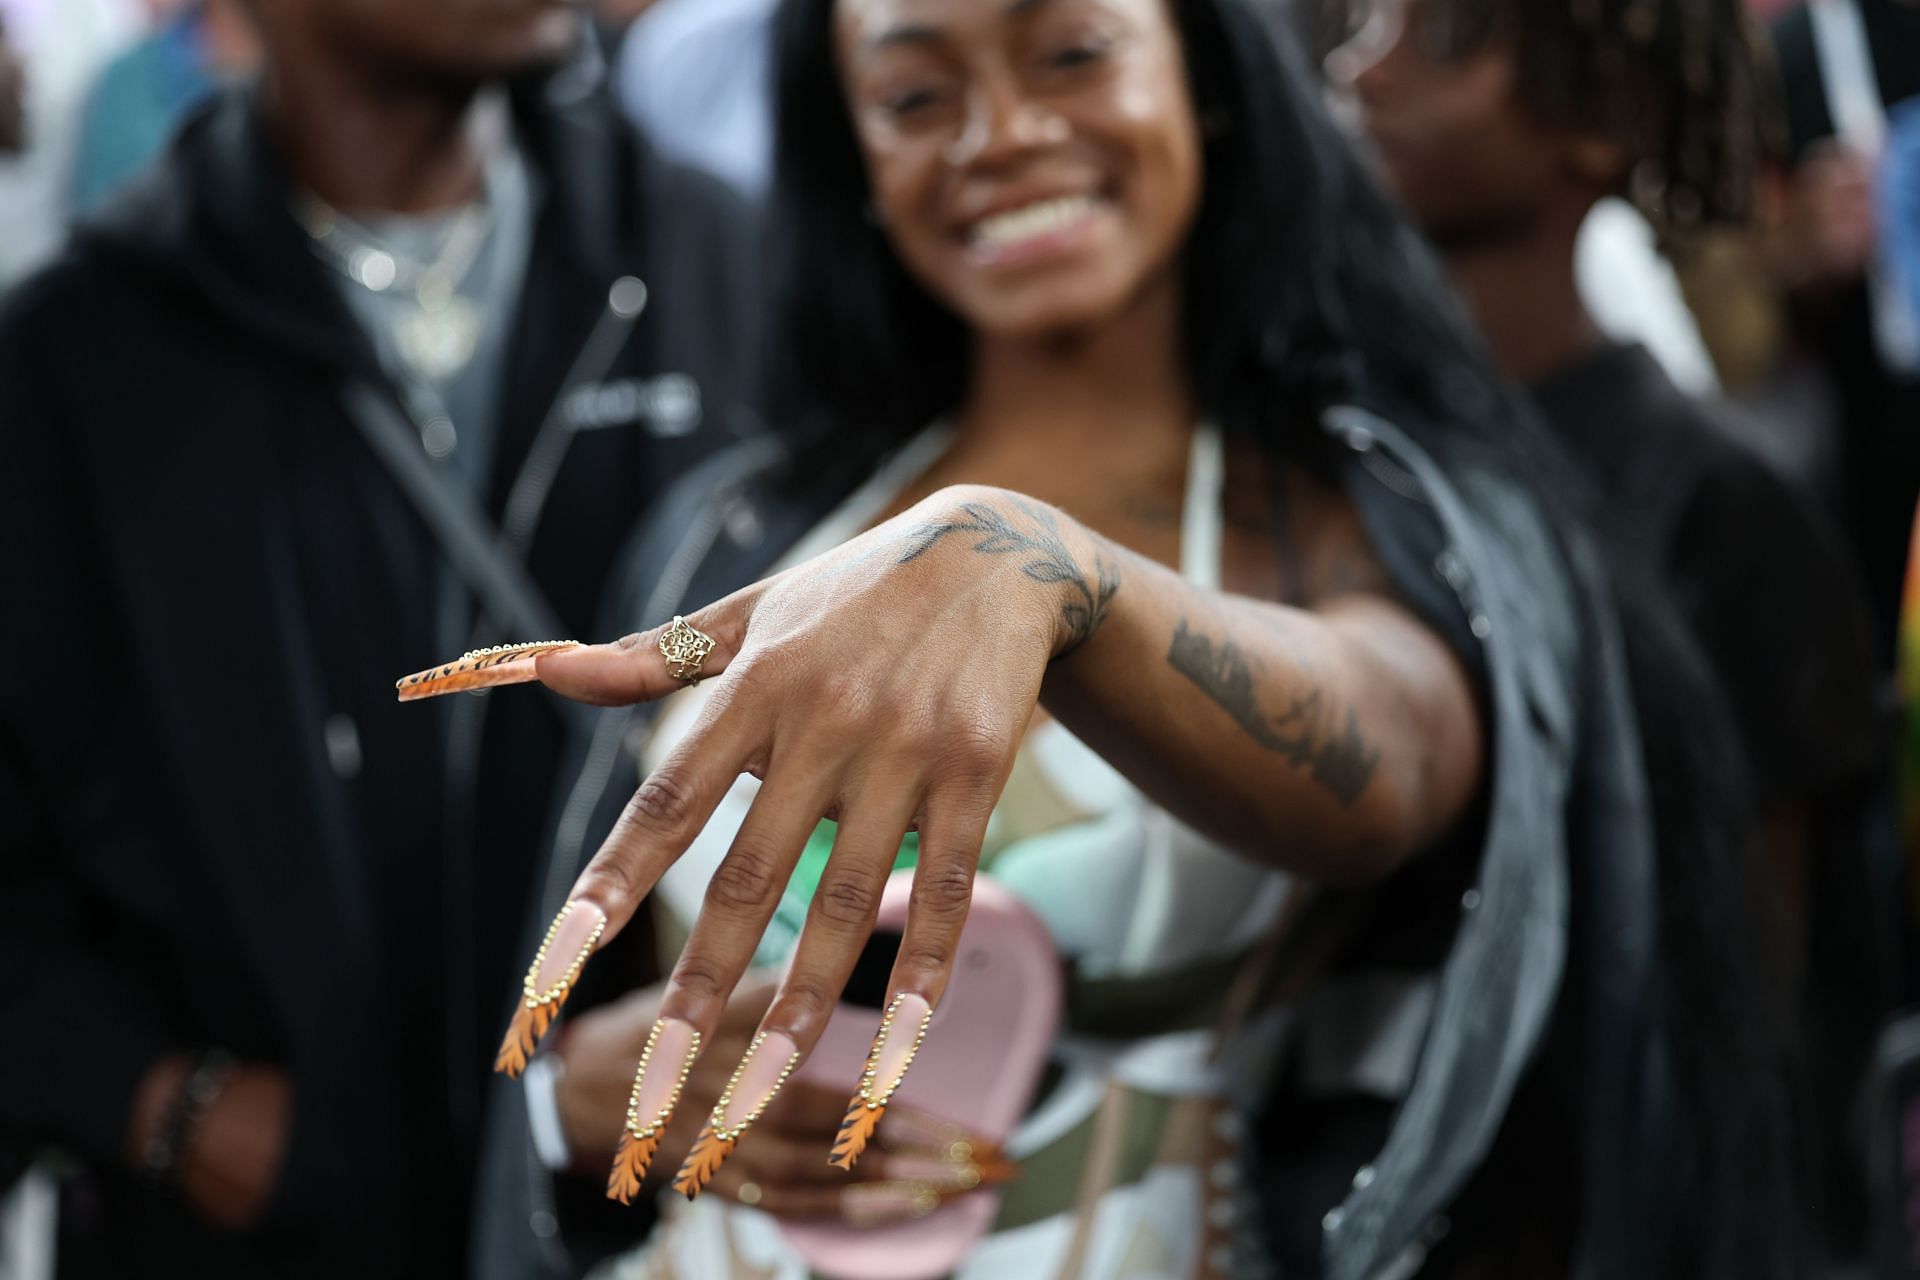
x: 1116, y: 394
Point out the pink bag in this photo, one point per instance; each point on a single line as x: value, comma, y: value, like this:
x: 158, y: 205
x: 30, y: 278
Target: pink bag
x: 978, y: 1069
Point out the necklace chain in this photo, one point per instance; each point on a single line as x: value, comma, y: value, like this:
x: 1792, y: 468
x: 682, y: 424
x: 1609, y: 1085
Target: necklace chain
x: 358, y: 253
x: 439, y: 338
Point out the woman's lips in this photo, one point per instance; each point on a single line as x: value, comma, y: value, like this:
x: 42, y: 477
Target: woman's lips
x: 1032, y: 232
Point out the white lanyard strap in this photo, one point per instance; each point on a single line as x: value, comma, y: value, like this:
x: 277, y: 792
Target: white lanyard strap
x: 1200, y: 515
x: 1860, y: 121
x: 1846, y: 72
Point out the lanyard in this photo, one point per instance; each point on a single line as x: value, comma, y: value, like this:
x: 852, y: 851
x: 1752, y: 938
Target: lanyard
x: 1860, y: 121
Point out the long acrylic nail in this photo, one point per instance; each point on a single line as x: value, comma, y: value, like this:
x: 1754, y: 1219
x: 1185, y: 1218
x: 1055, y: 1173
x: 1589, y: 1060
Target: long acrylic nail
x: 655, y: 1094
x: 570, y: 939
x: 770, y: 1059
x: 887, y: 1064
x: 480, y: 669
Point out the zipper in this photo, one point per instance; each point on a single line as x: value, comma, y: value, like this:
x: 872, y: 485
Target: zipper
x: 626, y: 301
x: 527, y: 499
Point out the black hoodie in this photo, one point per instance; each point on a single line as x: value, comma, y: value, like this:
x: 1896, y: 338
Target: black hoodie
x: 216, y: 826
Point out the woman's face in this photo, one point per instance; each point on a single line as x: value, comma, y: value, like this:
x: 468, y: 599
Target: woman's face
x: 1035, y: 163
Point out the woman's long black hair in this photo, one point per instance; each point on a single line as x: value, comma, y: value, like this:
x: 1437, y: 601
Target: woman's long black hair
x: 1301, y: 286
x: 1303, y: 289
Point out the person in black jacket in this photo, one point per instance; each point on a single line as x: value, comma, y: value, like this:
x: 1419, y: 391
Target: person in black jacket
x: 262, y: 922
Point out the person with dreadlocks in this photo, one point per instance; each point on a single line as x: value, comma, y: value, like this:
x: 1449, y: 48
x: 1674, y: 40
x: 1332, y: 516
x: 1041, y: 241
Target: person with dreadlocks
x: 1499, y: 124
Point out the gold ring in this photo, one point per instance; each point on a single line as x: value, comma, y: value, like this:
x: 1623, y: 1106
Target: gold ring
x: 684, y: 648
x: 748, y: 1194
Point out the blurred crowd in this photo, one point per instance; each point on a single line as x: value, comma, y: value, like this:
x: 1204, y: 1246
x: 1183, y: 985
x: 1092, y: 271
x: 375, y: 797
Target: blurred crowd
x: 338, y: 336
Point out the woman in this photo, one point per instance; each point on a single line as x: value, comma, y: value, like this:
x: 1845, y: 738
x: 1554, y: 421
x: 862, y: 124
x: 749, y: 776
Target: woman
x: 1138, y: 440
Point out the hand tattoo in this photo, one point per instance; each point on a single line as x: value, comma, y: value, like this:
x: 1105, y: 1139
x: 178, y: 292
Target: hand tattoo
x: 1307, y: 733
x: 1051, y: 561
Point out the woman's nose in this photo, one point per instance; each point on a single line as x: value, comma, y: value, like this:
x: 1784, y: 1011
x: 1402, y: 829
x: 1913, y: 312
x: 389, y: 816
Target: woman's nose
x: 1002, y: 123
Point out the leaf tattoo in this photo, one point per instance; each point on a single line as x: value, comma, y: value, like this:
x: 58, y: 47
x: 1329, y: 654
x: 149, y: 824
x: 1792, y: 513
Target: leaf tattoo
x: 1308, y: 733
x: 1051, y: 561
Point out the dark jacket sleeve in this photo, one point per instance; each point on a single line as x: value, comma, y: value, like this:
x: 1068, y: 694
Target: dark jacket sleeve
x: 81, y: 1024
x: 1803, y: 93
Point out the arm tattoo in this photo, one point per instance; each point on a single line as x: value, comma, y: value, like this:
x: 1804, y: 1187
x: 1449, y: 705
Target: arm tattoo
x: 1308, y: 733
x: 1050, y: 561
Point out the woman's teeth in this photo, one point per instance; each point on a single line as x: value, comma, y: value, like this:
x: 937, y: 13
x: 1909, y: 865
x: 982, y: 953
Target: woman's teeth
x: 1032, y: 220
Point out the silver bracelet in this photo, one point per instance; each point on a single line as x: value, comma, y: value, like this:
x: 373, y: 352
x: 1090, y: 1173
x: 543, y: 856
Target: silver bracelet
x: 211, y: 1069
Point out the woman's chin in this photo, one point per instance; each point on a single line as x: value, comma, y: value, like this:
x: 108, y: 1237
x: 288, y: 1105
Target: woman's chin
x: 1055, y: 316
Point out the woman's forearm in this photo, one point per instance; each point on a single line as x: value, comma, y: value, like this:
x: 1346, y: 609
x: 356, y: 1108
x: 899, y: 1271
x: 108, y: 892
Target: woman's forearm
x: 1333, y: 742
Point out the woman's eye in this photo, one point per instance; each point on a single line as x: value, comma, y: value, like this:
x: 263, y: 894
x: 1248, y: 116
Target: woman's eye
x: 1078, y: 53
x: 909, y: 102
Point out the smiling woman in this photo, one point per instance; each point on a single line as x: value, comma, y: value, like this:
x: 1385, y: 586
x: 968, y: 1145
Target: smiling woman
x: 1089, y: 104
x: 1151, y: 540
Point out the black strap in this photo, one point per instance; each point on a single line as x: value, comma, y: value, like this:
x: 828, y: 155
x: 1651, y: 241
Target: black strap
x: 469, y: 538
x: 491, y: 571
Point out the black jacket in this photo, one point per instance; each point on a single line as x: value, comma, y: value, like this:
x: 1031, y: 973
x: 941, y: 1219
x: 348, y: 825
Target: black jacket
x: 216, y: 826
x: 1765, y: 587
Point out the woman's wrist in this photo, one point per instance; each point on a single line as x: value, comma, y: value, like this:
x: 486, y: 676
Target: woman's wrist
x: 1055, y: 570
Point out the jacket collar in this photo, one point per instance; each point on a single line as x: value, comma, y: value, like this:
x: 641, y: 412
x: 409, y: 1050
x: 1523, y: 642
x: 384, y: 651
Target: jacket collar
x: 216, y: 217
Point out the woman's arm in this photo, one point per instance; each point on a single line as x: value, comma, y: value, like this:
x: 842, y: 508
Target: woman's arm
x: 1334, y: 742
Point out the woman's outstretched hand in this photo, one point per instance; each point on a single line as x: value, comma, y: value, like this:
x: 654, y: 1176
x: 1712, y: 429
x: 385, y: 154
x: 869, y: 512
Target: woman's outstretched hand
x: 885, y: 685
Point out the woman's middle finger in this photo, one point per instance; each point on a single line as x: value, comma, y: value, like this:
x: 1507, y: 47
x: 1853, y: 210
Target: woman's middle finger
x: 742, y: 894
